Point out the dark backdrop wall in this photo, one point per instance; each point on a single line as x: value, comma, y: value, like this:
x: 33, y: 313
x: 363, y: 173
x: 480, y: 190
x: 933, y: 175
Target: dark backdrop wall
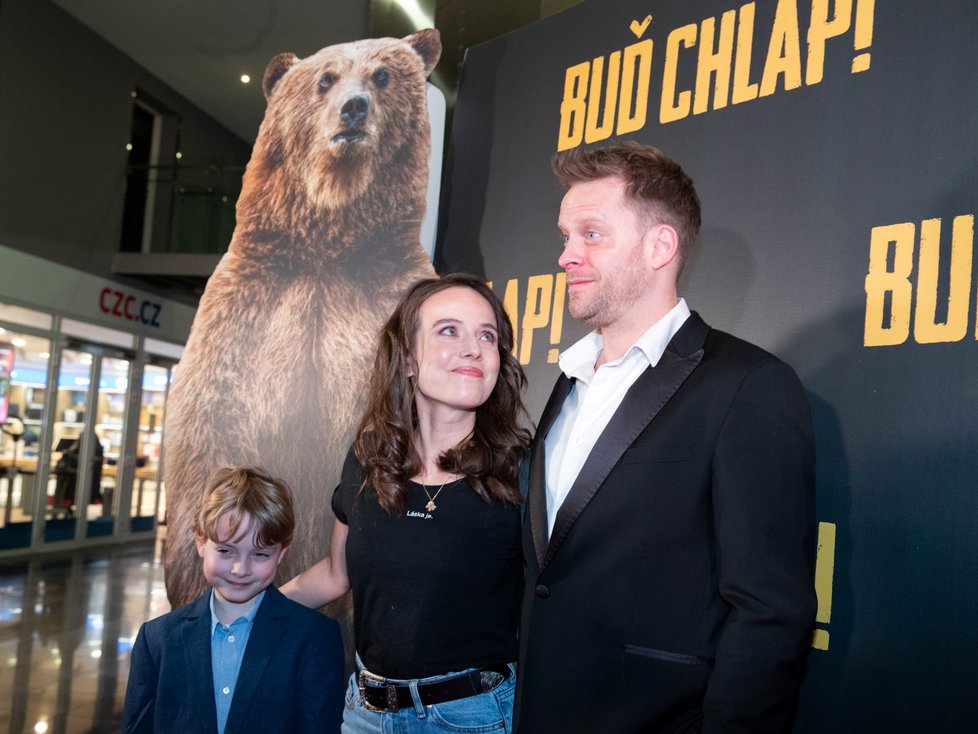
x: 66, y: 111
x: 834, y: 148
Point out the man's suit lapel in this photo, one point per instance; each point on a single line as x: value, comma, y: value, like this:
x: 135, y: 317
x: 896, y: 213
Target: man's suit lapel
x: 196, y: 642
x: 266, y: 632
x: 643, y: 401
x: 537, y: 495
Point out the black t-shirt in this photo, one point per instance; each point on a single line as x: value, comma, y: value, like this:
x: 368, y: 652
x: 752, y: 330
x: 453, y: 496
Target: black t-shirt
x: 433, y: 592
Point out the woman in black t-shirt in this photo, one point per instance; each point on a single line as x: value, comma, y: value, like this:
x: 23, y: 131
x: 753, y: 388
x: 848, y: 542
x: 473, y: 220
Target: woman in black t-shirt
x: 427, y: 530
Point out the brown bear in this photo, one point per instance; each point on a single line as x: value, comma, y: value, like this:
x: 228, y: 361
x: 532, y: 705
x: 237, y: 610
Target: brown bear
x: 327, y: 239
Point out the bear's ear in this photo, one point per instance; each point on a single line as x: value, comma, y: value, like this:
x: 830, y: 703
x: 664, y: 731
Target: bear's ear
x: 274, y: 71
x: 427, y: 43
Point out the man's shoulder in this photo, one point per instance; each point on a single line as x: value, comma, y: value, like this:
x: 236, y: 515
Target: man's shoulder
x: 733, y: 356
x: 715, y: 342
x: 732, y: 345
x: 742, y: 365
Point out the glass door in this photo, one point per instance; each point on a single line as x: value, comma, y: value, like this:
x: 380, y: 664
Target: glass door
x: 110, y: 428
x: 146, y: 488
x: 71, y: 430
x: 86, y: 443
x: 23, y: 383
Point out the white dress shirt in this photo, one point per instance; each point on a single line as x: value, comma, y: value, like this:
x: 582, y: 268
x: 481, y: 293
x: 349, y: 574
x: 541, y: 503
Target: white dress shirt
x: 595, y: 398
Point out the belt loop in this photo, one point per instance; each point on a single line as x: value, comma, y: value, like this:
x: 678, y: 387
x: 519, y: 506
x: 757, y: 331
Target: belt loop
x: 419, y: 708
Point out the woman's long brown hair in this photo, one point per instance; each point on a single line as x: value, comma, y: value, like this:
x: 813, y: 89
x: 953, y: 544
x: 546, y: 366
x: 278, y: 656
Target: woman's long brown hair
x: 489, y: 457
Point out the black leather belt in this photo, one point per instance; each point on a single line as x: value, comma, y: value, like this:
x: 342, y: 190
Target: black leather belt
x: 378, y: 694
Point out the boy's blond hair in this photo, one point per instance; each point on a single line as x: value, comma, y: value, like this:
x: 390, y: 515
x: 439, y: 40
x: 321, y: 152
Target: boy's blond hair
x: 237, y: 491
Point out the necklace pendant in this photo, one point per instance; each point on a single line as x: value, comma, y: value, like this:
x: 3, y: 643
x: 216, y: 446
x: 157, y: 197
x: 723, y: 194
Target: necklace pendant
x: 430, y: 507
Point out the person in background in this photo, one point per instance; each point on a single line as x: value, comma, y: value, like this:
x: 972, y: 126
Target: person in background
x: 66, y: 473
x: 242, y: 658
x: 427, y: 529
x: 670, y: 534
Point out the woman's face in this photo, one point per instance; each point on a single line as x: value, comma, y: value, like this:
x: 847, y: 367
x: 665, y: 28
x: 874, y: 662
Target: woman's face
x: 457, y: 352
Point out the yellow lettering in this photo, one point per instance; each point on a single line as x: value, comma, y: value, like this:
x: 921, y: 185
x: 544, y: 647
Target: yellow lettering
x: 539, y: 291
x: 926, y: 330
x: 824, y: 571
x: 557, y: 316
x: 594, y: 130
x: 863, y: 34
x: 511, y: 302
x: 714, y: 63
x: 635, y: 75
x: 784, y: 51
x: 743, y: 89
x: 573, y: 107
x: 881, y: 282
x: 822, y: 28
x: 675, y: 107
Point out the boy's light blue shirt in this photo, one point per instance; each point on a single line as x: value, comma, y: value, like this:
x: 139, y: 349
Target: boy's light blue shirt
x: 228, y: 644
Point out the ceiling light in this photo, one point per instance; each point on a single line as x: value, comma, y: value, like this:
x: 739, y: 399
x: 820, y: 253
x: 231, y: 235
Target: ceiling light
x: 245, y: 78
x: 412, y: 8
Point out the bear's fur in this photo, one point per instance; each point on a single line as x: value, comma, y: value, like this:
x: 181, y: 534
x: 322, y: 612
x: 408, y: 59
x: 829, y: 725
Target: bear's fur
x: 327, y: 239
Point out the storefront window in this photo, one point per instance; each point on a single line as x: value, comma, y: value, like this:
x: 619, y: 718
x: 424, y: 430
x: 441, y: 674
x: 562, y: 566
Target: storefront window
x: 82, y: 435
x: 81, y: 410
x: 23, y: 388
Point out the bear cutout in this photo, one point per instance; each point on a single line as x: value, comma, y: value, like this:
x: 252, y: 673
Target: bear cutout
x: 326, y: 241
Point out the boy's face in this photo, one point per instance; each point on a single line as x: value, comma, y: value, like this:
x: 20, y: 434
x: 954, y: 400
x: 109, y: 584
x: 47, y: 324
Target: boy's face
x: 238, y: 569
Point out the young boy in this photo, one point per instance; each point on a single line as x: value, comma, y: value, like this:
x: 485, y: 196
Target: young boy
x: 242, y: 658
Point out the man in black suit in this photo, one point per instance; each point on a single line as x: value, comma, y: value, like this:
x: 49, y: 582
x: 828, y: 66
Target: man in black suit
x: 669, y: 534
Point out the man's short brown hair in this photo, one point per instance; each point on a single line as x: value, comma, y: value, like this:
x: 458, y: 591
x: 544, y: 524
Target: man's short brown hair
x: 657, y: 186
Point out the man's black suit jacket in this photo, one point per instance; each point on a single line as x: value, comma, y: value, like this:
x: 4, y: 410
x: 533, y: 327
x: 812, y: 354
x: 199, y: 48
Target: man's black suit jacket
x: 676, y: 592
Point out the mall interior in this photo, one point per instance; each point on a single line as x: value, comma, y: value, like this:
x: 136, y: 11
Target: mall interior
x: 118, y: 179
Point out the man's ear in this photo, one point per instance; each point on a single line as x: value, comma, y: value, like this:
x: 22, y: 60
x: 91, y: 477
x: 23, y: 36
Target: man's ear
x: 663, y: 244
x: 200, y: 543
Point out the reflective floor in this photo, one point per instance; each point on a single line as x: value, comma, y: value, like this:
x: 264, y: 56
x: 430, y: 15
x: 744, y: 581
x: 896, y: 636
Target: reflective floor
x: 67, y: 623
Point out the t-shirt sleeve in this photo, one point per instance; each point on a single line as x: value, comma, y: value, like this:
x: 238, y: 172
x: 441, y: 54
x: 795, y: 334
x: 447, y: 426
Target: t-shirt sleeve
x: 346, y: 490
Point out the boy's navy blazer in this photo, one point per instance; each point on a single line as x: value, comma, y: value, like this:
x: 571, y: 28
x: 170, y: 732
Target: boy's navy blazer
x: 291, y: 677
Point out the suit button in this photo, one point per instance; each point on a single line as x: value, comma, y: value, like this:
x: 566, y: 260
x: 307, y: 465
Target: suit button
x: 542, y: 591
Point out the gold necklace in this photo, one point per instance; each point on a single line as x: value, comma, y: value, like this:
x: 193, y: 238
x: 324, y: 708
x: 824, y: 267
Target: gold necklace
x: 431, y: 506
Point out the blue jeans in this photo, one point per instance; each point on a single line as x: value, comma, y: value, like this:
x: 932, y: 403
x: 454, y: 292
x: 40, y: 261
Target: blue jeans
x: 485, y: 712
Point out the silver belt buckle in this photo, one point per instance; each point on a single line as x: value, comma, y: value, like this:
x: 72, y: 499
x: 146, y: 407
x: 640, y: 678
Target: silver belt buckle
x: 363, y: 675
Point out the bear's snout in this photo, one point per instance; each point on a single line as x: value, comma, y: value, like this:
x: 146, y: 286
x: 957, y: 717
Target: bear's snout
x: 355, y: 110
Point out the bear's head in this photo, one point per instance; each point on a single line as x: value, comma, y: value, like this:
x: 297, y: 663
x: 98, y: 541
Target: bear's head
x: 348, y: 116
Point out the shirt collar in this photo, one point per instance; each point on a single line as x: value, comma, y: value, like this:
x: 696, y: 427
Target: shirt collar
x: 577, y: 361
x: 248, y: 616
